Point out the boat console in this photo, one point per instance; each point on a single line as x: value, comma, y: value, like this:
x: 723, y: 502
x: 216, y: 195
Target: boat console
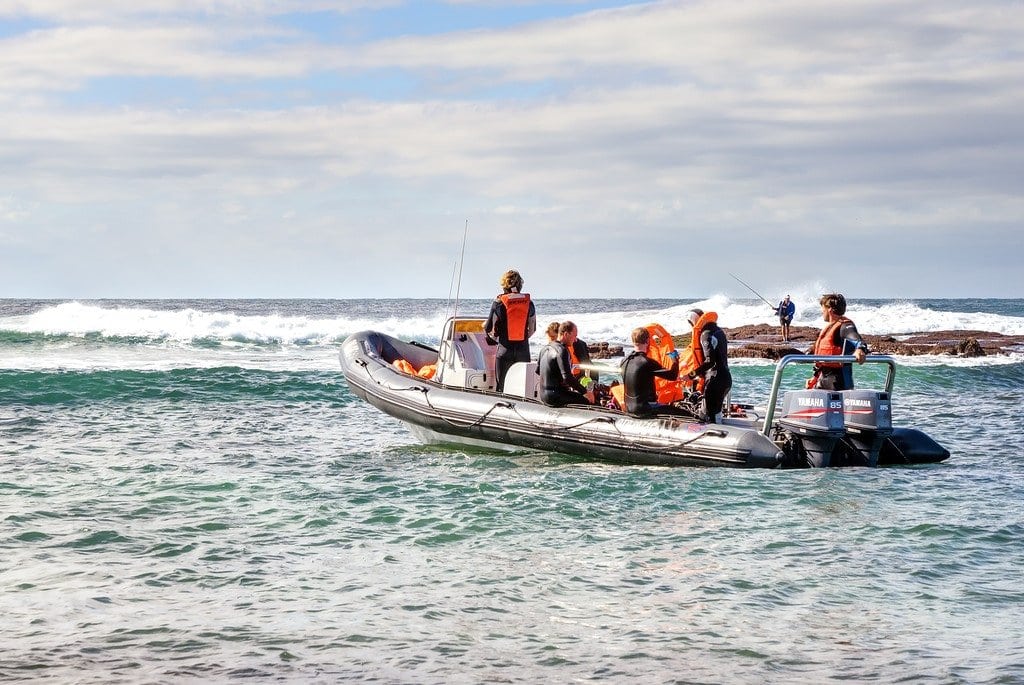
x: 465, y: 358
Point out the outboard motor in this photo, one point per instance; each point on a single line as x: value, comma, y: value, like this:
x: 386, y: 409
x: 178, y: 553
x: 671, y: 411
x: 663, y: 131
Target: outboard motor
x: 816, y: 417
x: 868, y: 416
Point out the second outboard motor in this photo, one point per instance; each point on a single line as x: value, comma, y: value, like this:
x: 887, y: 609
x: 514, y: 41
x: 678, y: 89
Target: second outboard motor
x: 868, y: 416
x: 816, y: 417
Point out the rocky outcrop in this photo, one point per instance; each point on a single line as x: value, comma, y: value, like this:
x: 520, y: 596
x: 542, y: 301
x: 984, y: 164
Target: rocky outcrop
x: 764, y: 341
x: 603, y: 350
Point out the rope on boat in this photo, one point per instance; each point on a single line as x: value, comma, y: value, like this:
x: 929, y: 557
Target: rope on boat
x: 596, y: 419
x: 471, y: 424
x: 437, y: 413
x: 682, y: 443
x: 511, y: 405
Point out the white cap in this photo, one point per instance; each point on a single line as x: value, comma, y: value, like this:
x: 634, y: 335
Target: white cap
x: 693, y: 316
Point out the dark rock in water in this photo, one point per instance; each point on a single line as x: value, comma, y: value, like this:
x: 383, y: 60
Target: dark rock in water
x: 603, y: 350
x: 762, y: 350
x: 956, y: 343
x: 969, y: 347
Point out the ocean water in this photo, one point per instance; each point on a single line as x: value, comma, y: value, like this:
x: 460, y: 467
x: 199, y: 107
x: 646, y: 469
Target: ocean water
x: 191, y: 493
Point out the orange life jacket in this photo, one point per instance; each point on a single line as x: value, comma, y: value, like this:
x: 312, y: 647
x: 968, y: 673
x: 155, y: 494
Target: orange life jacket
x: 572, y: 354
x: 660, y: 345
x: 696, y: 351
x: 517, y: 312
x: 577, y: 371
x: 404, y: 366
x: 618, y: 393
x: 826, y: 344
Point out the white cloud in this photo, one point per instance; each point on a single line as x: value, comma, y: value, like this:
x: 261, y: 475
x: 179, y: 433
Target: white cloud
x: 729, y: 124
x: 75, y: 11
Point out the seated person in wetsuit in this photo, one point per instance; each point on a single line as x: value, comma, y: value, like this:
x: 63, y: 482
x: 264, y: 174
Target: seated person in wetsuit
x: 559, y: 386
x: 638, y: 373
x: 552, y: 332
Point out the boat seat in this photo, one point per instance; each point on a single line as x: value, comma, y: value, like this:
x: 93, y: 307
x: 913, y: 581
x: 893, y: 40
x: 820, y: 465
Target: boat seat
x: 522, y: 380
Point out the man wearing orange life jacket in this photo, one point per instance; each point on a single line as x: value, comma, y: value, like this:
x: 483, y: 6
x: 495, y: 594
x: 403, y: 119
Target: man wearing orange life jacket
x: 711, y: 358
x: 839, y: 337
x: 579, y: 353
x: 511, y: 322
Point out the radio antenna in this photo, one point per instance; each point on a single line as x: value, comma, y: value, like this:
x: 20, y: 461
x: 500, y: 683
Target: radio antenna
x: 451, y: 287
x: 462, y: 258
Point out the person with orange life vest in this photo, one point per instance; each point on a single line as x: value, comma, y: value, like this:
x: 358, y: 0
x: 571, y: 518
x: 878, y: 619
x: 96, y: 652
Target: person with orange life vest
x: 638, y: 374
x: 579, y: 353
x: 838, y: 337
x: 559, y: 386
x: 710, y: 348
x: 510, y: 323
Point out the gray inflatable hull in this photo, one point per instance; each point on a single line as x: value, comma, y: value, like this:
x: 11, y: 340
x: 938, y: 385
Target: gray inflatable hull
x: 440, y: 412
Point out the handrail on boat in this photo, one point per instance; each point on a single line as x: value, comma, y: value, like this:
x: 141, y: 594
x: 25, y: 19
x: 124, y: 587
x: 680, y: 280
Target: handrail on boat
x: 773, y: 396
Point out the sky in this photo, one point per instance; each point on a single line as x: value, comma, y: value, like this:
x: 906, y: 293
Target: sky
x: 606, y: 148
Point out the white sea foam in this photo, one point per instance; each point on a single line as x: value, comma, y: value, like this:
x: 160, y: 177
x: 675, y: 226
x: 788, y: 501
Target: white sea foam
x: 74, y: 319
x: 191, y: 337
x: 186, y: 325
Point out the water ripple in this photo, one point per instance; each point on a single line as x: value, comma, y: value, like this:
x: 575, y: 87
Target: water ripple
x: 183, y: 539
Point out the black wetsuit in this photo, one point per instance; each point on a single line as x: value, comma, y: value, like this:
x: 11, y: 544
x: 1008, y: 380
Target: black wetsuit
x: 638, y: 374
x: 715, y: 369
x: 841, y: 378
x: 558, y: 387
x: 509, y: 352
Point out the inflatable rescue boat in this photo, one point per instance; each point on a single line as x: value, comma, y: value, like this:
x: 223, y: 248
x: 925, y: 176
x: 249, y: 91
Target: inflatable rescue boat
x: 448, y: 395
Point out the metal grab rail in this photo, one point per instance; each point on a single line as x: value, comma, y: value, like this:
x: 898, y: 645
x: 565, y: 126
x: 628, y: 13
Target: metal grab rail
x: 773, y: 396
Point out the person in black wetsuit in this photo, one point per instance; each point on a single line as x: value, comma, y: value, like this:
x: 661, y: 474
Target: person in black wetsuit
x: 714, y: 368
x: 840, y: 336
x: 511, y: 322
x: 638, y: 374
x: 559, y: 387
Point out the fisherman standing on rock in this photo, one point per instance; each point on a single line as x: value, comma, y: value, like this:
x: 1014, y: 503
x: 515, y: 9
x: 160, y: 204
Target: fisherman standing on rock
x: 785, y: 311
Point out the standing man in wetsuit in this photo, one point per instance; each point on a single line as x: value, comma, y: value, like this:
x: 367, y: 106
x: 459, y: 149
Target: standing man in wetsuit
x: 785, y: 311
x: 839, y: 336
x: 713, y: 364
x: 559, y: 386
x: 638, y: 374
x: 511, y: 322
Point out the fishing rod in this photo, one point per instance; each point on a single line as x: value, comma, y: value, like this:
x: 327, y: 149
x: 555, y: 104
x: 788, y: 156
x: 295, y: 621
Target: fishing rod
x: 753, y: 291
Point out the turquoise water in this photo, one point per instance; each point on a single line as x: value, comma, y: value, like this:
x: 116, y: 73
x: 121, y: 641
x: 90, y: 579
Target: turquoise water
x: 192, y: 493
